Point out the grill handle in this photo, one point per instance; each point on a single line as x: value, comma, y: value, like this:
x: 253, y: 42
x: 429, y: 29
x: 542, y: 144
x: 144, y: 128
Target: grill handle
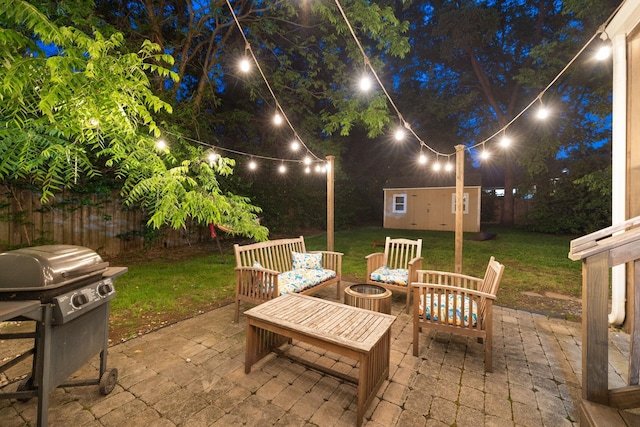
x: 80, y: 271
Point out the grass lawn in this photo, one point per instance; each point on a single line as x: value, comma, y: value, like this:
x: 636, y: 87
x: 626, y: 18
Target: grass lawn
x: 163, y: 286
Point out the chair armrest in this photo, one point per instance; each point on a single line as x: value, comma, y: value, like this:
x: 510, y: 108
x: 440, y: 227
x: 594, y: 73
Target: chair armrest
x: 458, y: 280
x: 414, y: 266
x: 374, y: 261
x: 331, y: 260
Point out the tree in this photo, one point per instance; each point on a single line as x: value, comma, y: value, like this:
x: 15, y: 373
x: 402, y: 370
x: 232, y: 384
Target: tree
x: 482, y: 62
x: 306, y: 52
x: 84, y: 109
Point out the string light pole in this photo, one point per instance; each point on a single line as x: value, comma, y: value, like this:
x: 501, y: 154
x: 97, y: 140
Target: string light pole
x: 330, y: 201
x: 459, y: 205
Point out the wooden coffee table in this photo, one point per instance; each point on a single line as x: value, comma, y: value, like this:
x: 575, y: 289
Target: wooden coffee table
x: 352, y: 332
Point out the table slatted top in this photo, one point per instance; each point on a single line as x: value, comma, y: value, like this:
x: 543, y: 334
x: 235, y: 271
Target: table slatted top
x: 351, y: 327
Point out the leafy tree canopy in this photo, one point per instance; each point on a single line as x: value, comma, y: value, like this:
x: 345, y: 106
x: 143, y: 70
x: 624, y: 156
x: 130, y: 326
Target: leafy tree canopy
x: 76, y: 107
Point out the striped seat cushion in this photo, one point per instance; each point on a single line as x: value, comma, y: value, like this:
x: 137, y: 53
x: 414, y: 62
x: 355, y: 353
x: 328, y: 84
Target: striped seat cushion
x: 451, y: 319
x: 398, y: 276
x: 301, y: 279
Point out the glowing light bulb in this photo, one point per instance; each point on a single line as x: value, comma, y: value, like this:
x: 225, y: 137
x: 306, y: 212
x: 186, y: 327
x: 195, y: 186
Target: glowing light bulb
x: 437, y: 166
x: 252, y: 165
x: 307, y: 169
x: 484, y: 155
x: 295, y: 145
x: 505, y: 142
x: 318, y: 168
x: 604, y: 52
x: 282, y: 169
x: 365, y: 83
x: 399, y: 134
x: 448, y: 167
x: 213, y: 157
x: 422, y: 159
x: 307, y: 160
x: 277, y: 119
x: 543, y: 113
x: 245, y: 65
x: 161, y: 144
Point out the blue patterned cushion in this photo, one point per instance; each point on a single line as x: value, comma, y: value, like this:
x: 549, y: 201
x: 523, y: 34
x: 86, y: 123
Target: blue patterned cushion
x: 398, y: 276
x: 309, y: 261
x: 444, y: 304
x: 301, y: 279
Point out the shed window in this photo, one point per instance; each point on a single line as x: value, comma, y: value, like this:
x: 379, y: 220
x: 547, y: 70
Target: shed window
x: 465, y: 203
x: 399, y: 203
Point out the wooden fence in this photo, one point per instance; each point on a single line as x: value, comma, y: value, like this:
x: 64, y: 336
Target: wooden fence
x: 101, y: 223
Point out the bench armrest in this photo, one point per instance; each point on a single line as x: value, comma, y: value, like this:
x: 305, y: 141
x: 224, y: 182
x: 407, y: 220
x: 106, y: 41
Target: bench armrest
x: 331, y: 261
x: 257, y: 281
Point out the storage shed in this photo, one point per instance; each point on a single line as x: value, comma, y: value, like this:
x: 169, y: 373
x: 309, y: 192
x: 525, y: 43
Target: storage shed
x: 428, y: 202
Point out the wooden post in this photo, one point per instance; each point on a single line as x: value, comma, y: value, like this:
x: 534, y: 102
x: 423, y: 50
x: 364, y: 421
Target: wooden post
x: 595, y: 357
x: 459, y: 205
x: 330, y: 202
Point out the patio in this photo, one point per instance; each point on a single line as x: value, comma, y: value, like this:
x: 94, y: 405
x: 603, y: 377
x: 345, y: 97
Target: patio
x: 192, y: 373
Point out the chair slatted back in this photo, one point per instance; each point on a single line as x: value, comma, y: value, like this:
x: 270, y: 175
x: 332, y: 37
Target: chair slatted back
x: 398, y: 252
x: 273, y: 255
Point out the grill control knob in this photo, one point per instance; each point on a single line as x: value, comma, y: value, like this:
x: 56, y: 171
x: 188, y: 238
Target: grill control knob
x: 79, y: 299
x: 104, y: 289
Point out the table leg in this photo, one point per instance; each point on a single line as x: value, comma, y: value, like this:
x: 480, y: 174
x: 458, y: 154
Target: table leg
x: 250, y: 355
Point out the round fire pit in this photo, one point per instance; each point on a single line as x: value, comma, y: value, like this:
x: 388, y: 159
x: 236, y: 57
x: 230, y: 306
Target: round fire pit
x: 371, y: 297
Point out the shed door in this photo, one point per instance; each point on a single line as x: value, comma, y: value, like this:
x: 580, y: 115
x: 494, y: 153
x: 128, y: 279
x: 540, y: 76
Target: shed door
x: 415, y: 209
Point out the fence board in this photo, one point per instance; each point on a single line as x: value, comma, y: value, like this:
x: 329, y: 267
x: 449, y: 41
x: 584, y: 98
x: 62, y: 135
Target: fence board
x: 26, y: 222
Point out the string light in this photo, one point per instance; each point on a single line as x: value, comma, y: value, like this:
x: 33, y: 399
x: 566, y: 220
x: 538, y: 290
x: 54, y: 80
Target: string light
x: 422, y: 159
x: 365, y: 83
x: 543, y: 112
x: 448, y: 167
x: 253, y: 165
x: 295, y: 145
x: 282, y: 168
x: 399, y: 134
x: 484, y: 154
x: 245, y: 65
x: 307, y: 170
x: 505, y: 141
x: 212, y: 158
x: 161, y: 144
x: 437, y: 166
x: 277, y: 119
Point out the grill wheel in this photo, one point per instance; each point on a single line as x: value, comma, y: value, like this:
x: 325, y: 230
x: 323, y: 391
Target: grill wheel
x: 108, y: 381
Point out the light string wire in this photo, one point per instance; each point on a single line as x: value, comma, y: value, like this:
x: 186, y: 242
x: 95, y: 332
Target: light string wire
x: 600, y: 30
x: 386, y: 93
x: 241, y: 153
x: 266, y: 82
x: 504, y: 128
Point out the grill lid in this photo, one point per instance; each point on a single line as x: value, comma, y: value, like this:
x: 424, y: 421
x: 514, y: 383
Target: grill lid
x: 47, y: 267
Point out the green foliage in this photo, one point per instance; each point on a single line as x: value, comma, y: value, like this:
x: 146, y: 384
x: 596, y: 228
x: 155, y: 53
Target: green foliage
x: 87, y: 110
x: 576, y: 201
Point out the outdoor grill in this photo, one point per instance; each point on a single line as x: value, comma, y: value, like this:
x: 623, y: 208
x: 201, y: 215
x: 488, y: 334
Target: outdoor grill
x: 66, y: 290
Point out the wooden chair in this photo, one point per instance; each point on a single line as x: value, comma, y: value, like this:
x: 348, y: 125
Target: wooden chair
x: 437, y: 295
x: 396, y: 267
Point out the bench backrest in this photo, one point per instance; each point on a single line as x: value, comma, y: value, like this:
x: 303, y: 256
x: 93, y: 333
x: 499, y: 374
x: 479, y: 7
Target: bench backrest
x: 272, y: 254
x: 398, y: 252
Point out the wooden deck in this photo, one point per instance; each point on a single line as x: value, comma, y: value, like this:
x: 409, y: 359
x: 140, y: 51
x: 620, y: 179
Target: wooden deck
x: 352, y: 332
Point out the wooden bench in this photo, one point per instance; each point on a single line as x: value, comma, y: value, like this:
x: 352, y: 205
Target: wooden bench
x: 351, y: 332
x: 259, y: 264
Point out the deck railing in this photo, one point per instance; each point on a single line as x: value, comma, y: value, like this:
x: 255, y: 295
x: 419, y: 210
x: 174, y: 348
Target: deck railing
x: 600, y: 251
